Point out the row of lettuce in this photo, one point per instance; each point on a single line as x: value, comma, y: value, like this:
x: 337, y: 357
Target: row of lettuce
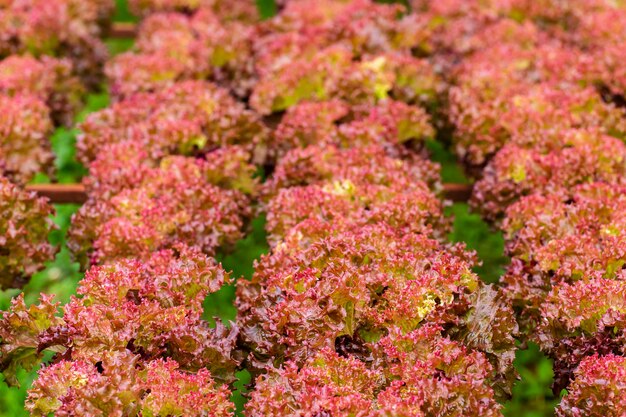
x: 539, y: 117
x: 362, y: 308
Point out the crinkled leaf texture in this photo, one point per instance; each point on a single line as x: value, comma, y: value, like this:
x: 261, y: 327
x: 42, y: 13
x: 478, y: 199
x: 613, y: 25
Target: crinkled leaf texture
x: 598, y: 390
x: 25, y: 222
x: 119, y: 386
x: 419, y: 373
x: 144, y: 311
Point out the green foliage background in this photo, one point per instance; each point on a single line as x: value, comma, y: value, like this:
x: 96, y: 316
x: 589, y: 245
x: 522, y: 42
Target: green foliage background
x: 532, y: 394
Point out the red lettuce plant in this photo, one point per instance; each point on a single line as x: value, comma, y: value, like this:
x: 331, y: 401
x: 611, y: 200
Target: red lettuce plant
x: 583, y: 319
x: 547, y: 163
x: 333, y: 73
x: 65, y: 28
x: 337, y: 207
x: 609, y: 73
x: 325, y: 164
x: 24, y: 227
x: 487, y: 111
x: 111, y: 340
x: 188, y: 118
x: 118, y: 386
x: 126, y: 164
x: 455, y: 26
x: 362, y: 26
x: 563, y: 238
x: 49, y: 79
x: 421, y: 373
x: 150, y: 206
x: 598, y: 390
x: 598, y: 34
x: 390, y: 123
x: 24, y: 129
x: 147, y: 308
x: 460, y: 28
x: 356, y: 50
x: 172, y: 47
x: 549, y: 13
x: 501, y: 63
x: 342, y: 187
x: 130, y: 73
x: 347, y: 290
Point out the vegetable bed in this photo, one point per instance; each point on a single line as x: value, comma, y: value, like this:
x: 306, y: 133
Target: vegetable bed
x: 313, y: 208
